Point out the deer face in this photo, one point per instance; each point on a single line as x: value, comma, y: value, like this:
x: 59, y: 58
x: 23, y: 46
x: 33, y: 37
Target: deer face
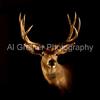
x: 49, y: 62
x: 55, y: 73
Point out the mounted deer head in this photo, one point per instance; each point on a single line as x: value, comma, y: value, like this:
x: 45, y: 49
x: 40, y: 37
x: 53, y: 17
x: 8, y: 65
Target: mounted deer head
x: 55, y: 73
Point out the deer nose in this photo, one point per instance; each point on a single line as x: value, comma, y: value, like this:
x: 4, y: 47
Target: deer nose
x: 51, y: 62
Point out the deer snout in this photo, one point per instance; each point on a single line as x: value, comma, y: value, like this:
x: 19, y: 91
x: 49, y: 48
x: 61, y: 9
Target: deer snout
x: 52, y: 63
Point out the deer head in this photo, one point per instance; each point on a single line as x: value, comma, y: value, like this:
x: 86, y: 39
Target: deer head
x: 55, y: 73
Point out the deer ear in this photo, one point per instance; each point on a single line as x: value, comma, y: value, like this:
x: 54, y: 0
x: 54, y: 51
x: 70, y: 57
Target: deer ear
x: 33, y: 50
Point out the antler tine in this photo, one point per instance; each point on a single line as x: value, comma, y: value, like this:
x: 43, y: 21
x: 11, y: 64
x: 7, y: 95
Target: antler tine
x: 74, y: 19
x: 79, y: 20
x: 69, y: 19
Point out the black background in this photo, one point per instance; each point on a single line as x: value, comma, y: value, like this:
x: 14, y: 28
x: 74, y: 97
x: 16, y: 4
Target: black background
x: 20, y: 72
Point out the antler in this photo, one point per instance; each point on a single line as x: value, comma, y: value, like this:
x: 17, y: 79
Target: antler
x: 73, y: 31
x: 30, y: 46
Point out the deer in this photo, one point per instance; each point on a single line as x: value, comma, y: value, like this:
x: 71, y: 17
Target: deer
x: 56, y: 74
